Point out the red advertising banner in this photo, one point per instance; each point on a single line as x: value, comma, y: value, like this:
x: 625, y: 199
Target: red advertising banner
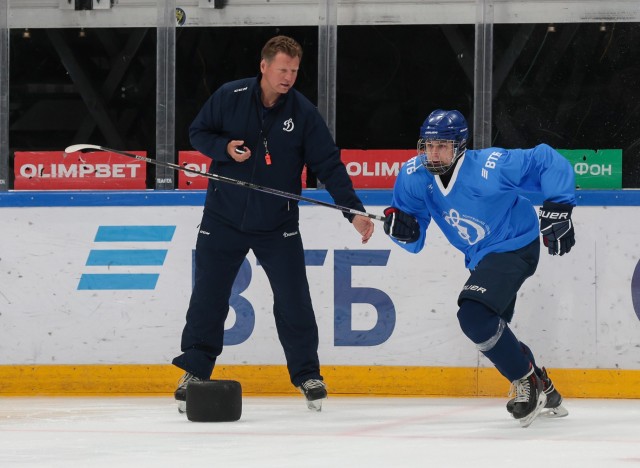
x: 375, y: 168
x: 52, y: 170
x: 197, y: 161
x: 367, y: 168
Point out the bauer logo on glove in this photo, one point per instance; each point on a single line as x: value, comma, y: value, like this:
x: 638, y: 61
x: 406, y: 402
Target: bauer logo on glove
x: 556, y: 227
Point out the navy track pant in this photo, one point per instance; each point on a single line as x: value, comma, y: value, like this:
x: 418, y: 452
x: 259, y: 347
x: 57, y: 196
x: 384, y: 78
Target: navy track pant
x: 220, y: 251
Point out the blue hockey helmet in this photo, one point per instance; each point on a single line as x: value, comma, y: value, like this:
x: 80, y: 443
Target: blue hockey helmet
x: 443, y: 125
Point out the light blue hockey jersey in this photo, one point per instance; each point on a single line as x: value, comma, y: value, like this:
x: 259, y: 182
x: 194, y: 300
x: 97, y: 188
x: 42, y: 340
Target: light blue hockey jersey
x: 482, y: 209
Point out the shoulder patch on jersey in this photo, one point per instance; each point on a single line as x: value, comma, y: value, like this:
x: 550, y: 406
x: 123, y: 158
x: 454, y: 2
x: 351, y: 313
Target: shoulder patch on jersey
x: 490, y: 163
x: 412, y: 165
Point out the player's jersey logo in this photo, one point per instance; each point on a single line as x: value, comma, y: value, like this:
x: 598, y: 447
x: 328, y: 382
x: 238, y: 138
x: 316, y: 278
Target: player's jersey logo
x: 470, y: 231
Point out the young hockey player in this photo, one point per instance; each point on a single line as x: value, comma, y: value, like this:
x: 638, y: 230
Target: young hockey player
x: 475, y: 197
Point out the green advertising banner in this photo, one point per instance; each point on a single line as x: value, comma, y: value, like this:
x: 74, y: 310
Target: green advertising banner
x: 596, y: 169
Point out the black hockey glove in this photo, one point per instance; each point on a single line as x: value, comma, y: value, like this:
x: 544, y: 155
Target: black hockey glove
x: 400, y: 225
x: 556, y: 227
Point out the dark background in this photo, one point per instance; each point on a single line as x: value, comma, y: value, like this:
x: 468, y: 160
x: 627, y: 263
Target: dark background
x: 575, y: 88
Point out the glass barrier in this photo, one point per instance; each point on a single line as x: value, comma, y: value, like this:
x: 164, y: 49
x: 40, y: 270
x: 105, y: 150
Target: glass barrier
x: 568, y: 78
x: 573, y: 86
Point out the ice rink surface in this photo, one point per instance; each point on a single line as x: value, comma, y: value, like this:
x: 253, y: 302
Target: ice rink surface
x: 349, y: 432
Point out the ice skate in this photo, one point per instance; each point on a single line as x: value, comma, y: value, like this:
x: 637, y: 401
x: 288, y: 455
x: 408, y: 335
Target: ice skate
x: 530, y: 398
x: 553, y: 408
x: 315, y: 391
x: 181, y: 392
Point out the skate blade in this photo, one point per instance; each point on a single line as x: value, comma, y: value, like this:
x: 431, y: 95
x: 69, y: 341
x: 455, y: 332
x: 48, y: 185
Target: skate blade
x: 553, y: 413
x: 182, y: 407
x: 527, y: 420
x: 315, y: 405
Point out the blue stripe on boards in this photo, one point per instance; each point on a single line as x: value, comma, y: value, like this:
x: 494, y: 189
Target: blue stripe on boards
x: 370, y: 197
x: 315, y: 257
x: 126, y: 257
x: 118, y: 281
x: 135, y: 233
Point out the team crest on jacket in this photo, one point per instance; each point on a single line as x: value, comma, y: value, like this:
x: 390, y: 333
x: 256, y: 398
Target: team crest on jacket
x: 288, y: 125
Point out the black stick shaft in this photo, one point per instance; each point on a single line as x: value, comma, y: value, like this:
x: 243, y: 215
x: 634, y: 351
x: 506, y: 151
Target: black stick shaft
x: 226, y: 180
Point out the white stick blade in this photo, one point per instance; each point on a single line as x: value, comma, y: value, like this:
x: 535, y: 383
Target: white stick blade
x: 80, y: 147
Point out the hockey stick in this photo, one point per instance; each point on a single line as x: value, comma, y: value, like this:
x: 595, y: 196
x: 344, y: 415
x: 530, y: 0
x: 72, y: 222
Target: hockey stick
x: 219, y: 178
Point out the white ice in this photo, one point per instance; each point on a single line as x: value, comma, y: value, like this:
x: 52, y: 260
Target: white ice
x: 282, y: 432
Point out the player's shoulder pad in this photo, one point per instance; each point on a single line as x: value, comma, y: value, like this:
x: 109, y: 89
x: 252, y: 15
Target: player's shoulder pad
x: 544, y: 147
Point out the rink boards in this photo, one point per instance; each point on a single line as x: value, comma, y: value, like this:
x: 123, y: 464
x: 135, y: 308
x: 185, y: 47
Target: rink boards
x: 95, y: 287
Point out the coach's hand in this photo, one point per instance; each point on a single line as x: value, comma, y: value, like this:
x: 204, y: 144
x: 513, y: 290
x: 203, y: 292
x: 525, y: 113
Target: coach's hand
x: 364, y: 226
x: 237, y: 151
x: 401, y: 226
x: 556, y: 227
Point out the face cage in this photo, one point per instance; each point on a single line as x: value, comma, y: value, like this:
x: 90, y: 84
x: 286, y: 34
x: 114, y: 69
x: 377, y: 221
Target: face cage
x: 437, y: 168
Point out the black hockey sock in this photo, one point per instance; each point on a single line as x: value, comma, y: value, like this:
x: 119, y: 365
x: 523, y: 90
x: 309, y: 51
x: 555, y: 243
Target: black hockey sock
x: 527, y: 352
x: 512, y: 365
x: 494, y: 339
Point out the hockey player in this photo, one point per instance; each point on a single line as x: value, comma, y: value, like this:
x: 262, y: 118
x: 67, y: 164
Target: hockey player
x: 474, y: 196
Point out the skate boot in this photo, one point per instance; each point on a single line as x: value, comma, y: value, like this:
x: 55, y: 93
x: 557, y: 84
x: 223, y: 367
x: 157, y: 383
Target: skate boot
x: 315, y: 391
x: 181, y: 392
x: 530, y: 398
x: 553, y: 408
